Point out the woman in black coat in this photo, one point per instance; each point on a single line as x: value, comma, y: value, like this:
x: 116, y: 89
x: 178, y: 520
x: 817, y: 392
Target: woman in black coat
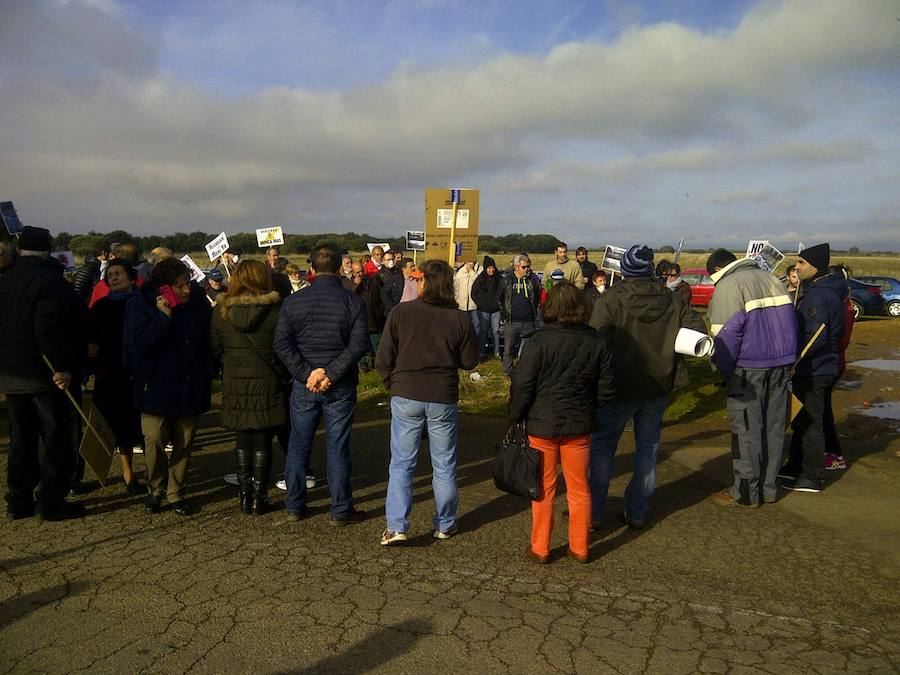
x: 255, y: 385
x: 484, y: 292
x: 113, y: 388
x: 564, y: 373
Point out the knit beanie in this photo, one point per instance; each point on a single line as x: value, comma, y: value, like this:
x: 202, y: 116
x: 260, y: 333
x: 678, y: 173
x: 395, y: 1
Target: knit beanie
x: 637, y: 261
x: 819, y: 256
x: 488, y: 262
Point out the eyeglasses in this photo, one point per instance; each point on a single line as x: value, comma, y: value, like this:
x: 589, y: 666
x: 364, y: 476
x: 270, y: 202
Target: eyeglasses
x: 525, y: 267
x: 672, y: 274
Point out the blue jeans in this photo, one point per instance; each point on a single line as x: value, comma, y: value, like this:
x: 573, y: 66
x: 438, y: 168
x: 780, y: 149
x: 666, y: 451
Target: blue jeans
x: 647, y: 415
x: 488, y: 320
x: 407, y: 419
x: 336, y: 406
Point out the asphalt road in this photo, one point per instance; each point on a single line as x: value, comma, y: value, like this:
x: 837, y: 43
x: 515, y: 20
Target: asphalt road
x: 808, y: 584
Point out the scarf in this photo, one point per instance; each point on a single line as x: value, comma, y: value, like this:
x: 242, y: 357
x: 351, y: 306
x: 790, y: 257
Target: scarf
x: 674, y: 283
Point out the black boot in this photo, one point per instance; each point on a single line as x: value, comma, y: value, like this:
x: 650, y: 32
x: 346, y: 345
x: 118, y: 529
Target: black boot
x: 244, y: 463
x: 262, y: 463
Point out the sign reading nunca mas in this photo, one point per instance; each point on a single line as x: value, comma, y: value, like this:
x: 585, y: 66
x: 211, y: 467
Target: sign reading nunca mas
x: 438, y: 223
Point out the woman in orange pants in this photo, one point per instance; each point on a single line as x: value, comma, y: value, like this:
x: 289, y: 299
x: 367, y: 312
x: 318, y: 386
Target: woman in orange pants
x: 562, y: 376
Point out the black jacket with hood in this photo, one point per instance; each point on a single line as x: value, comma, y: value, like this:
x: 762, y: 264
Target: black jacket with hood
x: 485, y: 288
x: 642, y: 317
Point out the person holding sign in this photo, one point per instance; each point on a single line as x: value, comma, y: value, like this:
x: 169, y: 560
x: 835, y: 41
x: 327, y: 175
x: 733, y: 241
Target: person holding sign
x: 38, y: 320
x: 167, y: 347
x: 755, y: 331
x: 821, y: 304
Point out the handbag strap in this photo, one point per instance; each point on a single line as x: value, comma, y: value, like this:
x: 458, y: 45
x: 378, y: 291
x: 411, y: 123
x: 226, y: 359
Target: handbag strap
x: 252, y: 346
x: 516, y: 432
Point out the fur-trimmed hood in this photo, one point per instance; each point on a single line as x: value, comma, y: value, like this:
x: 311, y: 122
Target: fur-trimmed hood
x: 246, y: 311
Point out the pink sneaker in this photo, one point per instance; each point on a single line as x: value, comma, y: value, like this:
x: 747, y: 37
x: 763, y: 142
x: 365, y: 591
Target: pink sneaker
x: 834, y: 462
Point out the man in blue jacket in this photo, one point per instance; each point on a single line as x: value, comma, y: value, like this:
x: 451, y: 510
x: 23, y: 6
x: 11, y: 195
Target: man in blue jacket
x: 755, y: 330
x: 822, y: 306
x: 321, y: 335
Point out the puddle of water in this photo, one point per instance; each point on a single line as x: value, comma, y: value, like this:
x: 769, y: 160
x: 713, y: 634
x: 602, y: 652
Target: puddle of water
x: 848, y: 384
x: 879, y: 364
x: 884, y: 411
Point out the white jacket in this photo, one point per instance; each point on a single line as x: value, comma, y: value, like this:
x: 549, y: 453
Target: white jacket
x: 462, y: 287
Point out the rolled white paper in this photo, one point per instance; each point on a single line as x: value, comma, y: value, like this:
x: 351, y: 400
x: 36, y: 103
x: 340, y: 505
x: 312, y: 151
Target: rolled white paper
x: 693, y: 343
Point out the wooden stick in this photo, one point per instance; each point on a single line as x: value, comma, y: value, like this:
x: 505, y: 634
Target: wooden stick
x: 810, y: 343
x: 80, y: 410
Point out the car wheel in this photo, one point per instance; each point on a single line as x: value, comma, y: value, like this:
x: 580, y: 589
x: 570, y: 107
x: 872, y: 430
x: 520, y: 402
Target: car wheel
x: 857, y: 310
x: 893, y: 308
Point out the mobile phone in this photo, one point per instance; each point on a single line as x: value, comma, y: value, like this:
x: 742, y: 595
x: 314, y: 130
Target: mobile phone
x: 171, y: 296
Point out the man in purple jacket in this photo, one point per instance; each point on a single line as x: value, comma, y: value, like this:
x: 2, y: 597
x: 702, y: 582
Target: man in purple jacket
x: 755, y: 329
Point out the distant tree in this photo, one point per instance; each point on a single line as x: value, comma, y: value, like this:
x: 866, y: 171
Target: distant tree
x: 854, y: 250
x: 61, y: 241
x: 666, y: 249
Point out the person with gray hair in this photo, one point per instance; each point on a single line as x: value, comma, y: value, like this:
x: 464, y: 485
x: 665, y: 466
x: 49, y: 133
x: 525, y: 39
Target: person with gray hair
x: 39, y: 324
x: 519, y: 297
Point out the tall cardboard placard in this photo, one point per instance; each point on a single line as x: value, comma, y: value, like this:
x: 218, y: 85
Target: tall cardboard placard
x: 438, y: 214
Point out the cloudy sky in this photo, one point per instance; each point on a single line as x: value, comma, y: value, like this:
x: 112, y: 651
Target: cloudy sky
x: 600, y: 122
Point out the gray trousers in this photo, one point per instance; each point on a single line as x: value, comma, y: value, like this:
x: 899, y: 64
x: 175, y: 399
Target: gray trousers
x: 757, y: 413
x: 514, y: 331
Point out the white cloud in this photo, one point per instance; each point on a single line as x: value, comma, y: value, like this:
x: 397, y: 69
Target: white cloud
x: 98, y: 125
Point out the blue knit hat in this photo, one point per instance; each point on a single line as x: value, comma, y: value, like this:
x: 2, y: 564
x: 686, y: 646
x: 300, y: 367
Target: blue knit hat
x: 637, y: 261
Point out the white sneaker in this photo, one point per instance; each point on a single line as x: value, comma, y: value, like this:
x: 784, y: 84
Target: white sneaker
x: 281, y: 485
x: 137, y: 450
x: 169, y: 446
x: 310, y: 482
x: 389, y: 538
x: 445, y: 534
x: 231, y: 479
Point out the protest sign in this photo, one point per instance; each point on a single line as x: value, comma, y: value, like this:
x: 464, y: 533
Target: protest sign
x: 612, y: 259
x: 97, y: 445
x: 415, y: 241
x: 768, y: 258
x: 678, y: 251
x: 755, y: 246
x: 10, y: 218
x: 196, y: 273
x: 66, y: 259
x: 439, y: 204
x: 217, y: 247
x: 269, y: 236
x: 384, y: 247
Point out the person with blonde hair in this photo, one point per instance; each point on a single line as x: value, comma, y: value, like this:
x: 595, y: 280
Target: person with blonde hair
x: 254, y: 393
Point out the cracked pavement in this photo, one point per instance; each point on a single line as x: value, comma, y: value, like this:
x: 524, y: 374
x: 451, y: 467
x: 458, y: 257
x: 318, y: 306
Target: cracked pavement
x: 806, y: 585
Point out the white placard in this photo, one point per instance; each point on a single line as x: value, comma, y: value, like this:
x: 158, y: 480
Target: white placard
x: 66, y: 259
x: 269, y: 236
x: 755, y: 246
x: 692, y: 342
x: 217, y: 247
x: 612, y: 259
x: 768, y: 258
x: 384, y: 247
x: 415, y: 240
x: 445, y: 218
x: 196, y: 273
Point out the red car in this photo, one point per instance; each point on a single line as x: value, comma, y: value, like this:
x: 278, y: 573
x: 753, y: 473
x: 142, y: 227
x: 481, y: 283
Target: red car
x: 702, y: 286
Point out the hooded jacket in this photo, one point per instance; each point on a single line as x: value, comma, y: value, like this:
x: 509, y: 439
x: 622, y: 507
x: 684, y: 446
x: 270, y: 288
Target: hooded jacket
x: 752, y: 319
x: 822, y: 303
x: 254, y: 395
x: 642, y: 317
x: 528, y: 286
x: 462, y: 287
x: 484, y: 290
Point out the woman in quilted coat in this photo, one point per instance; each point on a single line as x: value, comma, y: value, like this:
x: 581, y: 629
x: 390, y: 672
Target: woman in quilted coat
x: 563, y: 375
x: 254, y: 393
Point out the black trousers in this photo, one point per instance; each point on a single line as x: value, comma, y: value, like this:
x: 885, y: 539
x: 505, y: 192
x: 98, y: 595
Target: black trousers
x: 253, y: 440
x: 41, y: 453
x: 808, y: 442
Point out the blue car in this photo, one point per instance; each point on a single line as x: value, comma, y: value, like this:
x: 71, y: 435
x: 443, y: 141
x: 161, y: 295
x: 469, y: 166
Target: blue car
x: 866, y: 299
x: 890, y: 291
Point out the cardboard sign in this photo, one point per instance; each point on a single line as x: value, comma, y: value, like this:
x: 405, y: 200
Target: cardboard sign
x: 415, y: 241
x: 755, y: 246
x: 768, y: 258
x: 98, y: 445
x: 10, y: 218
x: 384, y: 247
x: 217, y: 247
x: 612, y: 259
x: 66, y: 259
x: 269, y: 236
x: 438, y: 219
x: 196, y: 273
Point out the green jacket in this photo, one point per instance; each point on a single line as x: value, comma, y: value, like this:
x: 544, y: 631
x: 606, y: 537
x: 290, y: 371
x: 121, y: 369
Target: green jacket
x: 254, y: 395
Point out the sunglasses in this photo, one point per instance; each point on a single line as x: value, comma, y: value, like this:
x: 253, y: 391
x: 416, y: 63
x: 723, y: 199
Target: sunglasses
x: 525, y: 267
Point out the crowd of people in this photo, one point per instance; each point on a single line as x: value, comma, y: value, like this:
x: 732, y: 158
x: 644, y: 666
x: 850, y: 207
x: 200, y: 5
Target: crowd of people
x: 585, y: 358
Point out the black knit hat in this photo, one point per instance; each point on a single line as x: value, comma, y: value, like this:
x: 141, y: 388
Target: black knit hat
x: 819, y: 256
x: 35, y: 239
x: 488, y: 262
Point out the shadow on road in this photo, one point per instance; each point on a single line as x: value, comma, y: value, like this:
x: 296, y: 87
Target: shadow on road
x: 22, y: 605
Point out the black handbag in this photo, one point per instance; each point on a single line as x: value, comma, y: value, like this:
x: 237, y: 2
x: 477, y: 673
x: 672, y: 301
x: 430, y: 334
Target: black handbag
x: 517, y: 466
